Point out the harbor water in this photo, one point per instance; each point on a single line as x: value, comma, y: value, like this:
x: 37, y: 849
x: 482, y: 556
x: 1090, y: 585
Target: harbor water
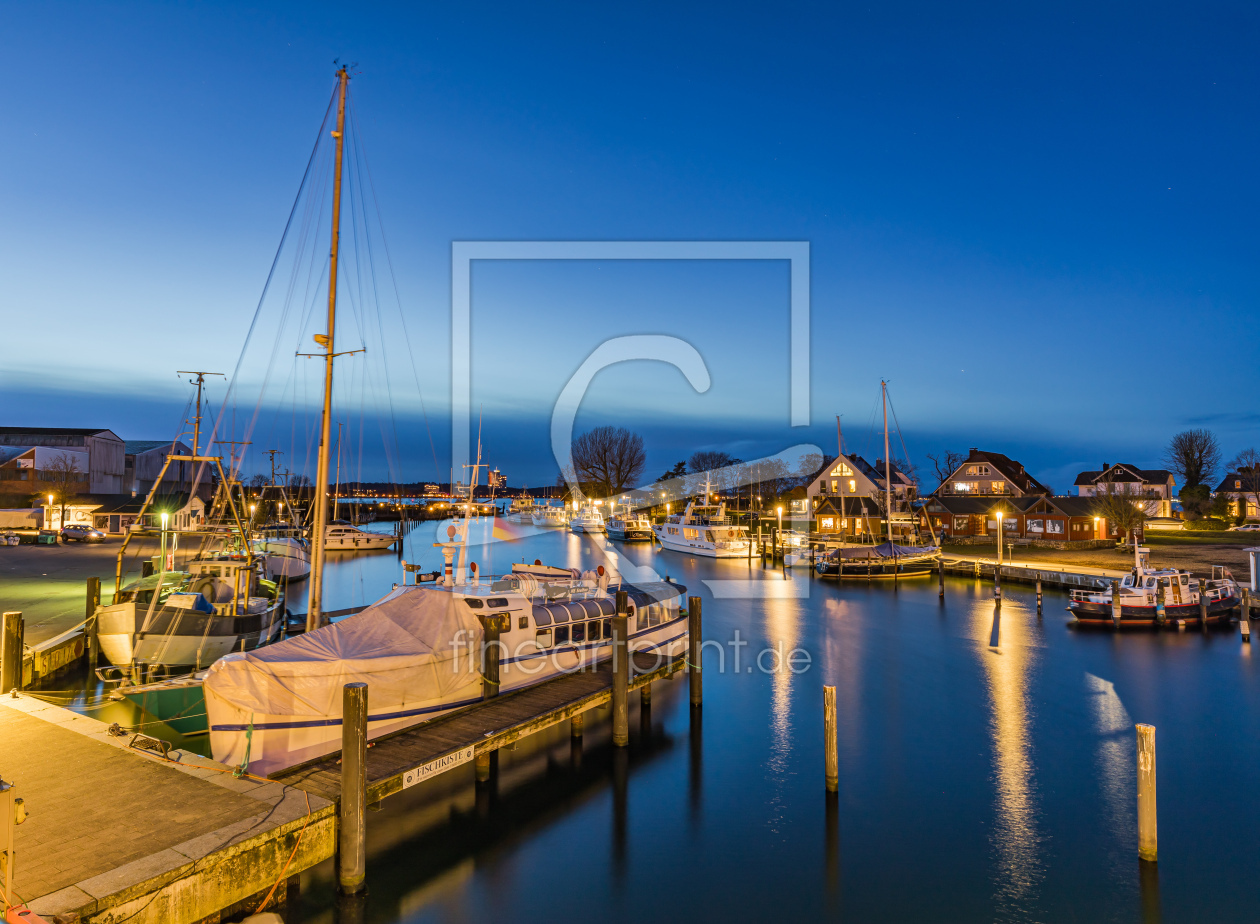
x: 986, y: 763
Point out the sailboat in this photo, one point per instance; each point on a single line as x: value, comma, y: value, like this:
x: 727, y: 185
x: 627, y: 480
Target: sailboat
x: 888, y: 559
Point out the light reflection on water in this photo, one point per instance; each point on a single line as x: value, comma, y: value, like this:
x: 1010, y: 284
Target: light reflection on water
x: 1007, y: 666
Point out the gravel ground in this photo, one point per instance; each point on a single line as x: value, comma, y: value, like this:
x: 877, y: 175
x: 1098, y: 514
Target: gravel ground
x: 1196, y: 558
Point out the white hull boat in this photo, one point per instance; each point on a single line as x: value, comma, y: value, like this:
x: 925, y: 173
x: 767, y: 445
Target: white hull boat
x: 550, y: 517
x: 344, y: 538
x: 285, y: 558
x: 703, y: 530
x: 587, y: 520
x: 419, y: 651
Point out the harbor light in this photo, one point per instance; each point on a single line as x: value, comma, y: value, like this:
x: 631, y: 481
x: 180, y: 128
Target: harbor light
x: 999, y: 536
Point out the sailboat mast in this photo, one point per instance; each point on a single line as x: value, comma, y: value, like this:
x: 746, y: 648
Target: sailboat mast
x: 883, y: 392
x: 314, y: 618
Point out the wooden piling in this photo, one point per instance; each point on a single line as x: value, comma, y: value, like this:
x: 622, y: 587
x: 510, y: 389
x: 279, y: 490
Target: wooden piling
x: 576, y: 723
x: 1202, y: 611
x: 645, y: 695
x: 1115, y: 604
x: 352, y: 829
x: 694, y: 642
x: 92, y: 649
x: 1148, y: 840
x: 481, y: 764
x: 621, y: 672
x: 940, y: 577
x: 1161, y: 614
x: 832, y: 757
x: 11, y: 637
x: 997, y: 582
x: 491, y: 655
x: 1244, y: 616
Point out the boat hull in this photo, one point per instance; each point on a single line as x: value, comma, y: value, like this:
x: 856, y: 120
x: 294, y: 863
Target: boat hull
x: 1100, y: 614
x: 630, y: 535
x: 865, y: 569
x: 704, y: 550
x: 360, y: 543
x: 179, y: 637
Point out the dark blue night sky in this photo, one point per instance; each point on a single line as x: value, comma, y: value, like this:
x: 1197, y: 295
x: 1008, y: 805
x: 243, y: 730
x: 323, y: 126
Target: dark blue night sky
x: 1036, y: 223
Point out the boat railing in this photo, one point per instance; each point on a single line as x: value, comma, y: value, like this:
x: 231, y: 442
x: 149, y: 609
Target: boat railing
x: 1086, y: 596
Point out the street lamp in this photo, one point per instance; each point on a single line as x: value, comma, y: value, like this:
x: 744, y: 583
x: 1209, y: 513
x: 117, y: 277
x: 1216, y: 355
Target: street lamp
x: 1097, y: 526
x: 165, y: 516
x: 50, y: 502
x: 999, y: 536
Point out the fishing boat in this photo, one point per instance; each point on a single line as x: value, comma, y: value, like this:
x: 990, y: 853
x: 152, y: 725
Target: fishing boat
x: 703, y: 529
x: 1157, y: 597
x: 341, y: 536
x: 586, y: 519
x: 547, y: 515
x: 629, y: 527
x: 285, y: 552
x: 187, y: 619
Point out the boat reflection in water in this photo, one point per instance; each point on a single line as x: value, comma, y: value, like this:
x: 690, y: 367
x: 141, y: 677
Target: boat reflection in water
x: 782, y: 627
x: 1008, y: 657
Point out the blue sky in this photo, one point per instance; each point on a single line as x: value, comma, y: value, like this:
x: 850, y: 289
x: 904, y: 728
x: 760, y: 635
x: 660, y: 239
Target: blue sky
x: 1036, y: 223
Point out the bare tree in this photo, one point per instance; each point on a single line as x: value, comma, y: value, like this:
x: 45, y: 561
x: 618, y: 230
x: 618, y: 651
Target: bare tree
x: 1195, y: 455
x: 1246, y: 468
x: 946, y: 463
x: 258, y: 481
x: 63, y: 472
x: 1123, y: 507
x: 607, y: 460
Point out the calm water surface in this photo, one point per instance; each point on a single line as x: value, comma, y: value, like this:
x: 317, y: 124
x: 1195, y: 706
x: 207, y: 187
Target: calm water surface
x: 984, y: 775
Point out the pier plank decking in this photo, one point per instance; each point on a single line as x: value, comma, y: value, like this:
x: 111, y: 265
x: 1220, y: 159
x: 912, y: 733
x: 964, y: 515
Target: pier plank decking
x: 484, y: 727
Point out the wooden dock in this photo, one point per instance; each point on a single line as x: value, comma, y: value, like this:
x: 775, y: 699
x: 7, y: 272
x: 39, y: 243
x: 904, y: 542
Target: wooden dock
x: 1083, y: 577
x: 405, y: 758
x: 120, y: 834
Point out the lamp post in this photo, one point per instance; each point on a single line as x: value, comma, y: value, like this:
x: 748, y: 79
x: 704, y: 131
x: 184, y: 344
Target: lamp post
x: 1097, y: 527
x: 252, y: 508
x: 165, y: 516
x: 999, y: 537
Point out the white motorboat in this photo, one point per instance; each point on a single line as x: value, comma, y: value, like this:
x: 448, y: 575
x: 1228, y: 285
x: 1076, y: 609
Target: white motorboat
x: 547, y: 515
x: 342, y: 537
x: 703, y: 529
x: 520, y: 510
x: 587, y: 519
x: 419, y: 649
x: 629, y: 527
x: 285, y: 552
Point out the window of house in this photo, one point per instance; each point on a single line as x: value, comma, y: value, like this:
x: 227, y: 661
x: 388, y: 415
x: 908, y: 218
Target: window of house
x: 999, y: 487
x: 841, y: 469
x: 826, y: 523
x: 1237, y: 484
x: 1036, y: 526
x: 835, y: 485
x: 966, y: 487
x: 960, y: 523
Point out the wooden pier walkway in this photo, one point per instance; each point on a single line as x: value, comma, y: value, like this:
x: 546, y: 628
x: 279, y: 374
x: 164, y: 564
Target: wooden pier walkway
x: 1050, y: 574
x: 405, y: 758
x: 119, y: 834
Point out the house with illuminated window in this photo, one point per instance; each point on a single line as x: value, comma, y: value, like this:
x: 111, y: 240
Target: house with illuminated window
x: 848, y: 497
x: 990, y: 474
x: 1242, y: 487
x: 1157, y: 484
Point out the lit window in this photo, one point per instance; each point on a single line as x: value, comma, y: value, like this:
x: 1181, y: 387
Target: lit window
x: 965, y: 487
x: 852, y: 485
x: 999, y: 487
x: 826, y: 523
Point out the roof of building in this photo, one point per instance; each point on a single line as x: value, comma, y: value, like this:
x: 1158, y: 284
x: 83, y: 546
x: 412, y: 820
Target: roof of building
x: 132, y: 447
x: 848, y: 506
x: 961, y: 504
x: 9, y: 453
x: 1124, y: 472
x: 53, y: 431
x: 129, y: 503
x: 1249, y: 482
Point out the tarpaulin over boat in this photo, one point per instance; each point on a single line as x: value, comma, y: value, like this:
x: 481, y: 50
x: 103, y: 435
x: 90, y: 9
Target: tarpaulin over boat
x: 884, y: 550
x: 415, y: 649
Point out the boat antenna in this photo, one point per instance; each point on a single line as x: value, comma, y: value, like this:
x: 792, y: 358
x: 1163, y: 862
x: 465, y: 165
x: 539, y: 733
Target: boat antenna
x: 883, y: 393
x: 314, y: 617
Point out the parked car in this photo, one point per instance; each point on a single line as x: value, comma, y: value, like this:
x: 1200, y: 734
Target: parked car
x: 1245, y: 528
x: 81, y: 534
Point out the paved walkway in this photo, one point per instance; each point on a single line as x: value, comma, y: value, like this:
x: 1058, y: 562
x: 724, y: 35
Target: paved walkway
x: 106, y: 819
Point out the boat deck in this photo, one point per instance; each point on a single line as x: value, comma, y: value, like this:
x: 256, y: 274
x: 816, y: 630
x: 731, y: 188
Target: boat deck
x: 407, y: 757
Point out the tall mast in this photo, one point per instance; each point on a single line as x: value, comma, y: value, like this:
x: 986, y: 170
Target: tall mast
x: 314, y: 618
x: 883, y: 392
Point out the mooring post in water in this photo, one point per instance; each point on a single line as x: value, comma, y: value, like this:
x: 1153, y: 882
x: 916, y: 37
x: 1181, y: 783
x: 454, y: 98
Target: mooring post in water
x: 694, y: 650
x: 481, y: 763
x: 352, y: 852
x: 491, y: 654
x: 11, y: 652
x: 997, y: 583
x: 1244, y: 616
x: 1161, y: 615
x: 645, y: 695
x: 1115, y: 604
x: 1038, y: 596
x: 829, y: 739
x: 575, y: 724
x: 1202, y: 608
x: 89, y: 615
x: 940, y: 575
x: 1148, y: 840
x: 621, y: 672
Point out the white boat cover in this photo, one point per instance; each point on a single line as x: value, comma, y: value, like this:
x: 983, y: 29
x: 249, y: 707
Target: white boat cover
x: 407, y: 647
